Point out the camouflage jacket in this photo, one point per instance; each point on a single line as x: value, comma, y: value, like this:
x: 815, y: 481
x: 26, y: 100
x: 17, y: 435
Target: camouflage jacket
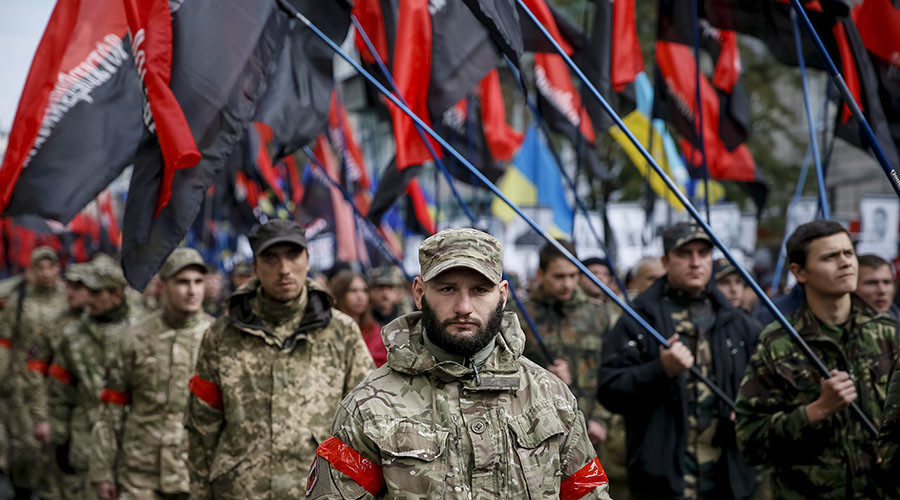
x: 268, y: 379
x: 772, y: 427
x: 76, y: 379
x: 419, y: 428
x: 889, y: 435
x: 139, y: 440
x: 40, y: 356
x: 572, y: 330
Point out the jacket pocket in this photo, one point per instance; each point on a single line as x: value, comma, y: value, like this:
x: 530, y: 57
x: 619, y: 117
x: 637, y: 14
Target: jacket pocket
x: 536, y: 444
x: 235, y: 476
x: 412, y: 457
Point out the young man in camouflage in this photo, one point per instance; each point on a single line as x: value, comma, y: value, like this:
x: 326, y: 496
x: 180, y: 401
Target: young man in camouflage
x: 889, y: 435
x: 76, y: 374
x: 572, y: 328
x: 139, y: 443
x: 456, y: 412
x: 680, y: 436
x: 788, y: 415
x: 30, y: 312
x: 387, y: 293
x: 270, y: 373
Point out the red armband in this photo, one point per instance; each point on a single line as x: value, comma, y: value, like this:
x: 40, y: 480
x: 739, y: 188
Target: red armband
x: 7, y: 343
x: 114, y: 397
x: 37, y: 366
x: 206, y: 391
x: 348, y: 461
x: 584, y: 481
x: 60, y: 373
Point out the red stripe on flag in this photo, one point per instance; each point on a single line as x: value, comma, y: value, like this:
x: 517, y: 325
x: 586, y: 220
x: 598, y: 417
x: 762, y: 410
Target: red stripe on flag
x: 728, y: 66
x: 848, y: 64
x: 206, y: 391
x: 349, y: 462
x: 368, y: 13
x: 584, y: 481
x: 7, y: 343
x: 627, y: 59
x: 553, y: 79
x: 502, y: 140
x: 60, y: 373
x: 115, y: 397
x: 37, y: 366
x: 420, y: 205
x: 542, y: 12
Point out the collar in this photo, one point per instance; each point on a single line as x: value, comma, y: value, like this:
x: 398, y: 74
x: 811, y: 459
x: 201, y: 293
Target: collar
x: 114, y: 315
x: 441, y: 355
x: 278, y: 313
x: 178, y: 321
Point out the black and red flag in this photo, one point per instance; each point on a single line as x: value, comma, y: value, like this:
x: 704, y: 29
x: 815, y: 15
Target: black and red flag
x: 79, y: 117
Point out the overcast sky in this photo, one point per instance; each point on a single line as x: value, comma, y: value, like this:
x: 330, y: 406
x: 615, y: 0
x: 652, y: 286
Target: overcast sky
x: 22, y: 24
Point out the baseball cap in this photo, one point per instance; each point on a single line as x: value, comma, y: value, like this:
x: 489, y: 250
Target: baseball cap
x: 43, y: 252
x: 76, y: 271
x: 681, y: 234
x: 386, y: 276
x: 722, y: 268
x: 102, y: 275
x: 462, y: 247
x: 179, y: 259
x: 275, y: 231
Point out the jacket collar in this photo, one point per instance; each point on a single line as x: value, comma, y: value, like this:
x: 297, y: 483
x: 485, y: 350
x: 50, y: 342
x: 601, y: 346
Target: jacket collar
x: 807, y: 324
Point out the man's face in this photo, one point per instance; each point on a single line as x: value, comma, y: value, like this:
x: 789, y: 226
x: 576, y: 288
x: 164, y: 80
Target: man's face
x: 384, y: 297
x: 103, y: 301
x: 184, y: 292
x: 77, y: 295
x: 689, y: 266
x: 45, y: 272
x: 282, y: 271
x: 732, y: 287
x: 461, y: 309
x: 876, y: 286
x: 647, y: 274
x: 356, y: 300
x: 602, y: 273
x: 559, y: 279
x: 213, y: 285
x: 830, y: 266
x: 238, y: 280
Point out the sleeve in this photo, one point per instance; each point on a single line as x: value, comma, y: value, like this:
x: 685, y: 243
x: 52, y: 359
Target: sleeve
x: 5, y: 339
x: 359, y: 363
x: 347, y: 465
x: 582, y: 474
x: 206, y: 417
x: 39, y: 357
x: 114, y: 399
x: 61, y: 394
x: 768, y: 426
x: 626, y: 372
x: 889, y: 436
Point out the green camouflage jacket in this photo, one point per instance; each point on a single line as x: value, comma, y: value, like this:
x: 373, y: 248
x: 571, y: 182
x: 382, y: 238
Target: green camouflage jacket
x: 889, y: 435
x: 838, y: 454
x: 419, y: 428
x: 572, y: 330
x: 267, y: 382
x: 41, y: 355
x: 139, y: 440
x: 76, y: 379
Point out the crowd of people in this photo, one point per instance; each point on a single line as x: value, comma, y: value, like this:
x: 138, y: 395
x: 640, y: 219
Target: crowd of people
x: 289, y: 384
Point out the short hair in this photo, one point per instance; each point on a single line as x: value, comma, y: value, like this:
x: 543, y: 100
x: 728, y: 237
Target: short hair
x: 797, y: 245
x: 549, y: 253
x: 872, y: 261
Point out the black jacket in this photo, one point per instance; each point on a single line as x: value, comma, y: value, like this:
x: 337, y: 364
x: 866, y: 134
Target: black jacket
x: 632, y: 382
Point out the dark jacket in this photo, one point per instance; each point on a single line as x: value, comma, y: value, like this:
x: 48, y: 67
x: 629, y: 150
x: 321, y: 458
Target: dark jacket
x: 632, y: 382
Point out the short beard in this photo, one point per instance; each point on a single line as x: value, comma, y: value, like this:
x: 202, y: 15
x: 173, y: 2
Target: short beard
x: 460, y: 344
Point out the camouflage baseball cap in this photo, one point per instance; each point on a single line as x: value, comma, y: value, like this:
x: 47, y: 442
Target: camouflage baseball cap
x: 275, y: 231
x: 463, y: 247
x: 77, y: 271
x: 179, y: 259
x: 681, y: 234
x: 44, y: 252
x: 243, y: 268
x: 722, y: 268
x: 103, y: 274
x: 386, y: 276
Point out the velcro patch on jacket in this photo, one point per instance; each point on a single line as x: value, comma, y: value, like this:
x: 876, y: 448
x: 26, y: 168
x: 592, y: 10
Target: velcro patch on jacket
x: 206, y: 391
x: 348, y: 461
x: 37, y: 366
x: 60, y: 373
x: 584, y: 481
x: 115, y: 397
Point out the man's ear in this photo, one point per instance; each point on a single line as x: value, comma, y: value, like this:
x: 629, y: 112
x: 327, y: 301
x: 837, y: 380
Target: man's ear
x: 798, y: 272
x: 504, y: 291
x: 418, y: 291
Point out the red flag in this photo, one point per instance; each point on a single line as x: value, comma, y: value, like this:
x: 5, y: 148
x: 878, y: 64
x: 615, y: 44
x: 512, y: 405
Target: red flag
x: 344, y: 228
x: 502, y: 140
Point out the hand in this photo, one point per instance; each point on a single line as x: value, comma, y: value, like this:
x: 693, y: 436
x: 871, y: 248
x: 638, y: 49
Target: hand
x: 596, y: 432
x: 837, y: 392
x: 42, y: 432
x: 560, y: 368
x: 105, y: 490
x: 677, y: 358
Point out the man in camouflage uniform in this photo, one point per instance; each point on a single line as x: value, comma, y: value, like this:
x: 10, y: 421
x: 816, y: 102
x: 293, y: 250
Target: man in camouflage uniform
x: 456, y: 412
x: 788, y: 415
x: 572, y: 329
x: 31, y: 312
x: 889, y: 435
x: 680, y: 435
x: 139, y: 442
x: 8, y: 287
x: 76, y: 375
x: 270, y: 373
x: 387, y: 293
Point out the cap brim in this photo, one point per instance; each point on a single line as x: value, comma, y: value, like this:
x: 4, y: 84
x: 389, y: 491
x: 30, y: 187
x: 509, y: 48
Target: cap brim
x: 204, y: 268
x: 296, y: 240
x: 463, y: 262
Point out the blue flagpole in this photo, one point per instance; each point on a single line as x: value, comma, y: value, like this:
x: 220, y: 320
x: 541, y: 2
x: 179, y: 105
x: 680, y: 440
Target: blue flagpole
x: 798, y: 191
x: 813, y: 138
x: 287, y: 7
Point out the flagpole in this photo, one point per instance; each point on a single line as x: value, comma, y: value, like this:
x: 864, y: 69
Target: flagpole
x: 782, y: 252
x: 287, y: 7
x: 813, y: 139
x: 865, y: 130
x: 698, y: 116
x: 782, y: 320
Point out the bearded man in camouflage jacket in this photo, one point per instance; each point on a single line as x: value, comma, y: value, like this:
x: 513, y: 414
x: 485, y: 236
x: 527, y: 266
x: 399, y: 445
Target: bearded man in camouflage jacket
x: 457, y: 412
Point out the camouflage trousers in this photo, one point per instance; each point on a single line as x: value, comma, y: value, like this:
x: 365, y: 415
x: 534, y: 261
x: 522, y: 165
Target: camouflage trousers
x: 25, y: 456
x: 137, y: 494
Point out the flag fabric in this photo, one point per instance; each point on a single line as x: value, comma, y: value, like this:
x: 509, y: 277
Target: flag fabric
x: 500, y: 18
x: 79, y: 116
x: 533, y: 179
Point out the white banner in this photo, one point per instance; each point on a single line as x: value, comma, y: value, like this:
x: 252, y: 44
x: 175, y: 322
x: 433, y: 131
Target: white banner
x: 879, y: 216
